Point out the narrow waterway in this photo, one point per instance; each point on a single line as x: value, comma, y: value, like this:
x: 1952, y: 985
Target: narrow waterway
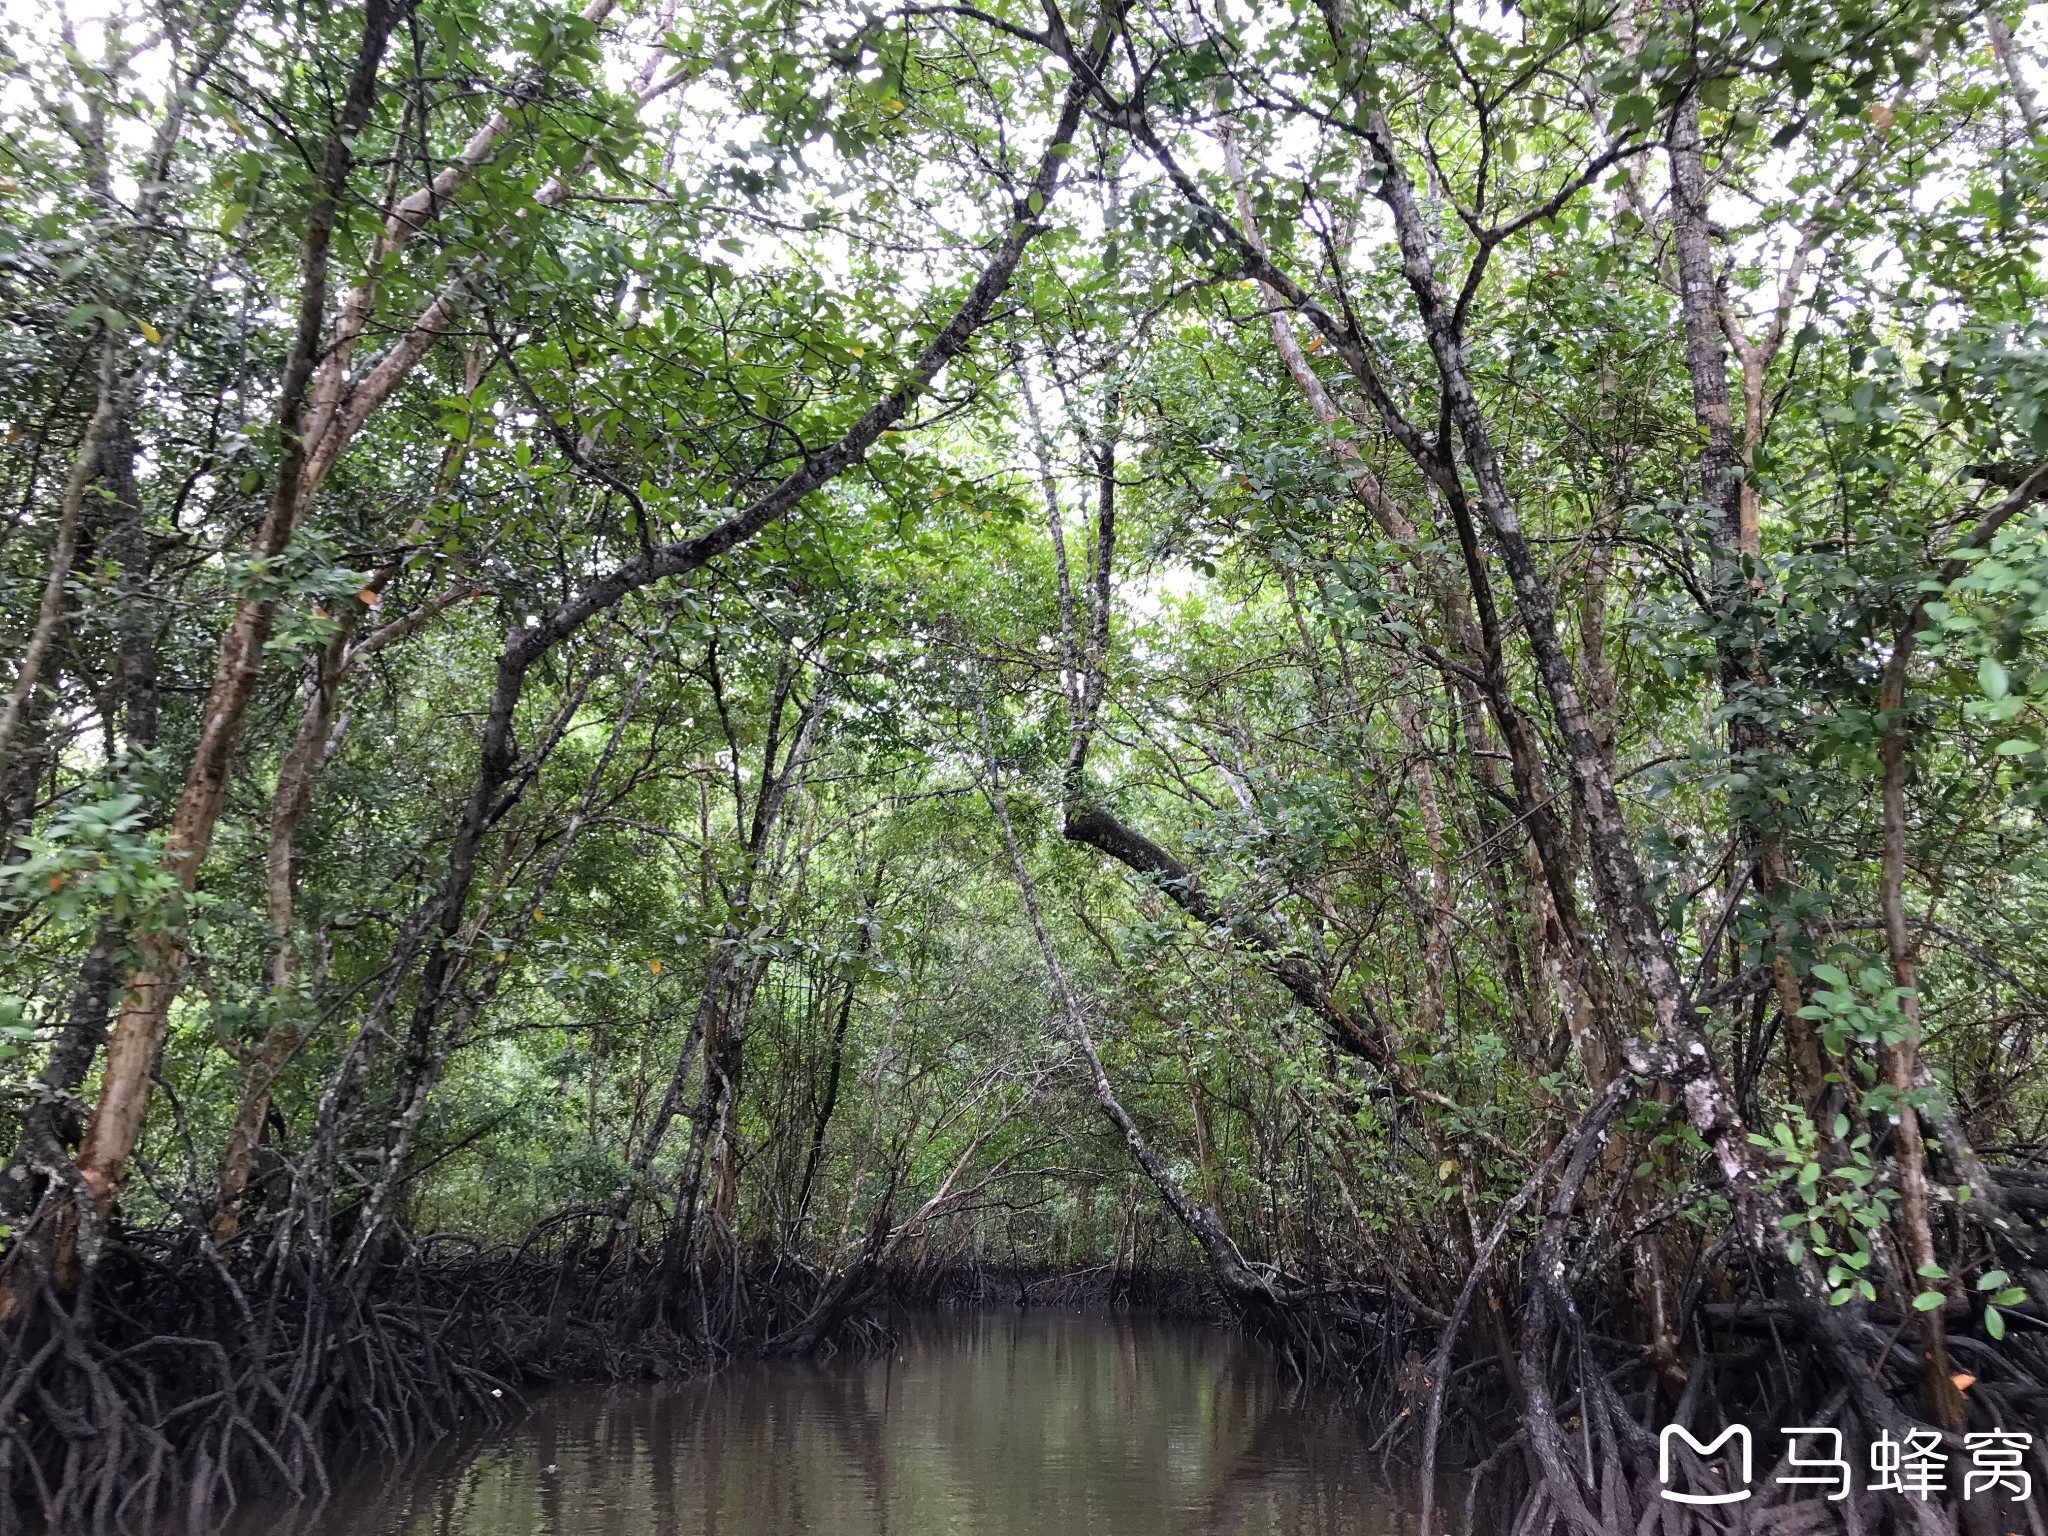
x: 997, y: 1424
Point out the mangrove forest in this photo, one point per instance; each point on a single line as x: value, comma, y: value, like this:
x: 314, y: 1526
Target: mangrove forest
x: 695, y: 684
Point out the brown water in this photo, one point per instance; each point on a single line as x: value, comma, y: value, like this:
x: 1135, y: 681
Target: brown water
x: 998, y: 1424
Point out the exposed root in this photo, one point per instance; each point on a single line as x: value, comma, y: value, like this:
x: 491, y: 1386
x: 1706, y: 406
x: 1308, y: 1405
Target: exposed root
x: 175, y: 1385
x: 169, y: 1388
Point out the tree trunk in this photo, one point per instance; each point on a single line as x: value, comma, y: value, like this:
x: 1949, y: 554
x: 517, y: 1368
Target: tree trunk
x: 1735, y: 539
x: 54, y: 1118
x: 309, y: 746
x: 85, y: 468
x: 126, y: 542
x: 1681, y: 1054
x: 2008, y: 60
x: 1939, y: 1396
x: 1242, y: 1284
x: 829, y: 1100
x: 150, y: 989
x: 315, y: 740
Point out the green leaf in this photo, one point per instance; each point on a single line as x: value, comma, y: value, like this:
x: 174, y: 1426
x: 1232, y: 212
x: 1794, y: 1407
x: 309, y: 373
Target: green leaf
x: 1991, y: 1279
x: 1927, y: 1301
x: 1992, y: 678
x: 1634, y: 113
x: 1994, y: 1322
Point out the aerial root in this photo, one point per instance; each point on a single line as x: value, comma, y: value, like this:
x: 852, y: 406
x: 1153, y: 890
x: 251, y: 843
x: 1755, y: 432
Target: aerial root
x: 150, y: 1396
x: 172, y: 1387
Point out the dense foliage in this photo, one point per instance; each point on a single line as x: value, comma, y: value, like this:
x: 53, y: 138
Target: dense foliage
x: 1261, y: 640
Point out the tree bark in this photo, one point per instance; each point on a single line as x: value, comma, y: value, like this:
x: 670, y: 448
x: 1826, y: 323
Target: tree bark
x: 1734, y: 535
x: 51, y: 1123
x: 1938, y: 1394
x: 2008, y: 60
x: 1720, y: 465
x: 85, y: 469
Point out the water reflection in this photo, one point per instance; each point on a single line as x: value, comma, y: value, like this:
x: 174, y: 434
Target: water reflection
x: 1001, y: 1424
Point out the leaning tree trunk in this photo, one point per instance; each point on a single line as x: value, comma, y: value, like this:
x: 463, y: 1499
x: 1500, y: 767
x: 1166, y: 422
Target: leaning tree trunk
x: 55, y: 1118
x: 150, y: 989
x: 315, y: 740
x: 1239, y: 1281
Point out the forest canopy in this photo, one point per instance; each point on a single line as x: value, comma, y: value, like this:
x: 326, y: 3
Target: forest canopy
x: 675, y: 666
